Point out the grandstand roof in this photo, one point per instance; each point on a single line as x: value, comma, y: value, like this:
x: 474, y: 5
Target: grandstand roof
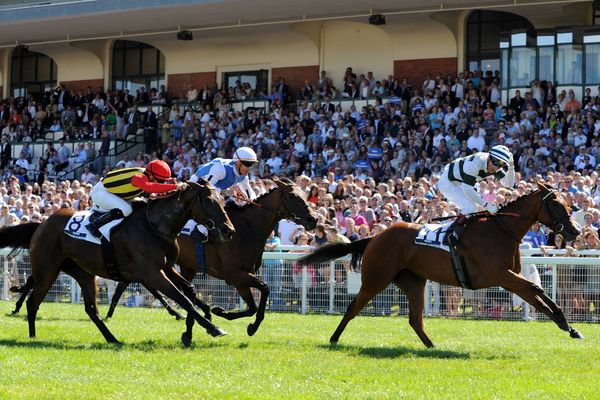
x: 36, y: 22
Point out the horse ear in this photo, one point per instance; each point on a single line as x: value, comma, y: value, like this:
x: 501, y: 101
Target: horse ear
x: 541, y: 185
x: 279, y: 182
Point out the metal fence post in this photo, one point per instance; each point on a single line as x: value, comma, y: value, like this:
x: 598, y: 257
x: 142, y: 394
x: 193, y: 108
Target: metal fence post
x: 554, y: 282
x: 304, y: 295
x: 5, y: 278
x: 75, y: 291
x: 331, y: 286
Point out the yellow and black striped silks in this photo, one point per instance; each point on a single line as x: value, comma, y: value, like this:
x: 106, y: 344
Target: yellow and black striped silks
x: 118, y: 182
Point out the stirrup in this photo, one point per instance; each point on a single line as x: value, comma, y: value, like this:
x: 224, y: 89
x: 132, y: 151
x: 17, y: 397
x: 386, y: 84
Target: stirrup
x: 196, y: 234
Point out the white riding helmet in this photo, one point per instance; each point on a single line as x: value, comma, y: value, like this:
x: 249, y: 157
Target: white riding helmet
x: 245, y: 155
x: 501, y: 153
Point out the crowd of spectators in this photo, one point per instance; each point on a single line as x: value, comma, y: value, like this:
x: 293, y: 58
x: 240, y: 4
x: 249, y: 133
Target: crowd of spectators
x: 363, y: 169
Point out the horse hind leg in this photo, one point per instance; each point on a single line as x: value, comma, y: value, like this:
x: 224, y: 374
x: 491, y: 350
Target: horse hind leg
x: 360, y: 301
x: 24, y: 290
x: 89, y: 290
x: 414, y: 288
x: 42, y: 283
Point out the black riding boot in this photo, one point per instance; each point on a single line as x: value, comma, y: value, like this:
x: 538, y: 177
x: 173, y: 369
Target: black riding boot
x: 95, y: 223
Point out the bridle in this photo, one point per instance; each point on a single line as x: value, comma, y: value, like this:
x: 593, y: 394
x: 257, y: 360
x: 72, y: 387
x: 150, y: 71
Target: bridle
x: 557, y: 227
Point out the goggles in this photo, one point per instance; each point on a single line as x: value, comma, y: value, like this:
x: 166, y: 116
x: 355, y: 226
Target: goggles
x: 498, y: 163
x: 248, y: 164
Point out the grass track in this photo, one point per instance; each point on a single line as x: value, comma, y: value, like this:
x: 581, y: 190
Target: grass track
x: 290, y: 357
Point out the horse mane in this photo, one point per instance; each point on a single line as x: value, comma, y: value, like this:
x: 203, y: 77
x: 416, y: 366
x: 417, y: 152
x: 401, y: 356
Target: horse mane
x: 230, y: 205
x: 518, y: 199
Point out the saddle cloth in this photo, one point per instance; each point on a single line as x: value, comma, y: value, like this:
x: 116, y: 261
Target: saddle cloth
x: 76, y: 227
x: 434, y: 235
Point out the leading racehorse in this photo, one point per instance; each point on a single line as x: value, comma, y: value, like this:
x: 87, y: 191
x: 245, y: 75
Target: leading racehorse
x: 489, y: 246
x: 144, y: 246
x: 237, y: 260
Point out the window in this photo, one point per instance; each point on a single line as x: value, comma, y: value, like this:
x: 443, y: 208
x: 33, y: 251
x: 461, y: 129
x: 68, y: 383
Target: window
x: 137, y: 65
x: 592, y: 64
x: 258, y: 80
x: 32, y: 73
x: 483, y: 36
x: 569, y: 64
x: 522, y: 66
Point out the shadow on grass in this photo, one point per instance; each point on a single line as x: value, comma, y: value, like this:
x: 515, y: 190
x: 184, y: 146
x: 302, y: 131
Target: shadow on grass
x: 143, y: 346
x: 394, y: 352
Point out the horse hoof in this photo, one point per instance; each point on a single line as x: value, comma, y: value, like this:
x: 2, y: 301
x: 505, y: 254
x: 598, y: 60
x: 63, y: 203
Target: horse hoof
x: 186, y: 339
x: 219, y: 311
x: 15, y: 312
x: 251, y: 329
x: 217, y: 332
x: 576, y: 335
x: 333, y: 341
x: 179, y: 317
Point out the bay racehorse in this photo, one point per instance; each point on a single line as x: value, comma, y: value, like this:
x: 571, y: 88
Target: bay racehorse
x: 489, y: 245
x: 237, y: 260
x: 144, y: 246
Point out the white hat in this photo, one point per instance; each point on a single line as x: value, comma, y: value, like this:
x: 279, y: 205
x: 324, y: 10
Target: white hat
x: 245, y: 154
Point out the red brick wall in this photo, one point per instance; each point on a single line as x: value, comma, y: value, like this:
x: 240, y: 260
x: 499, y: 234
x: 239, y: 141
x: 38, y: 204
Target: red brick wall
x: 178, y: 84
x: 415, y: 70
x: 295, y: 76
x: 82, y: 85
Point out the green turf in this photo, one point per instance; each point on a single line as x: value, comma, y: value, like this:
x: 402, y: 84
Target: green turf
x: 290, y: 357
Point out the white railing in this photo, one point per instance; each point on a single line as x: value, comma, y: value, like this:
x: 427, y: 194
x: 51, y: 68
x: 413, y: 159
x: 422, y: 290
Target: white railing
x: 573, y: 282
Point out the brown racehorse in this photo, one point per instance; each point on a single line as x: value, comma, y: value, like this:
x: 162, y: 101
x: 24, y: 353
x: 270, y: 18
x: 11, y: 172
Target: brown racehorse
x: 144, y: 245
x: 489, y: 246
x: 237, y: 260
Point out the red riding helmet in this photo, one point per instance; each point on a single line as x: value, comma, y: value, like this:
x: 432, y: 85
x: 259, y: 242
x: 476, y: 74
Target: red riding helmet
x: 159, y: 170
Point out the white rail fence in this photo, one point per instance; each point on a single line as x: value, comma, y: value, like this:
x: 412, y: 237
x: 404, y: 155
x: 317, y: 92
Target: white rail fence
x: 571, y: 281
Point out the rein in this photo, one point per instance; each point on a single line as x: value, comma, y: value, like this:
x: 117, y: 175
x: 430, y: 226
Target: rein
x: 290, y: 216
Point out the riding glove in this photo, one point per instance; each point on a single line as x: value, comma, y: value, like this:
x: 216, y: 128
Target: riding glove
x: 492, y: 208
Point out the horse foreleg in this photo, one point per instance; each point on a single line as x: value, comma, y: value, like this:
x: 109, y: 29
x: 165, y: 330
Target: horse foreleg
x: 536, y: 296
x: 121, y: 287
x: 246, y: 295
x: 158, y: 296
x: 186, y: 286
x: 414, y: 288
x: 159, y: 281
x: 24, y: 290
x: 262, y: 305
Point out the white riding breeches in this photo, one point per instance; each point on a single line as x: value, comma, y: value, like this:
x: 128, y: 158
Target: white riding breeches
x: 454, y: 193
x: 105, y: 201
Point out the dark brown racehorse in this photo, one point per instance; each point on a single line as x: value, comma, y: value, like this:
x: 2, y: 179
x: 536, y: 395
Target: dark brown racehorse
x: 237, y: 260
x: 489, y: 246
x: 144, y: 245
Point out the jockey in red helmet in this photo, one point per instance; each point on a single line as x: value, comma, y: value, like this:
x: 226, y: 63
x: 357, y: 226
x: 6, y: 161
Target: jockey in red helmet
x: 112, y: 194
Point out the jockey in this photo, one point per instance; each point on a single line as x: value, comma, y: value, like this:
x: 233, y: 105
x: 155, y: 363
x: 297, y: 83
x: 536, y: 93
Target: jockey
x: 112, y: 194
x: 457, y: 182
x: 223, y: 174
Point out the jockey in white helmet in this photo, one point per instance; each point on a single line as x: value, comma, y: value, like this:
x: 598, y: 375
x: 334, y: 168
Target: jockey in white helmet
x: 457, y: 182
x: 224, y: 173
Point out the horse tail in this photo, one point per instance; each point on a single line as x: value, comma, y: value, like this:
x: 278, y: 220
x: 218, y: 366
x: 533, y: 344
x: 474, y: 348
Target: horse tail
x: 18, y: 236
x: 333, y: 251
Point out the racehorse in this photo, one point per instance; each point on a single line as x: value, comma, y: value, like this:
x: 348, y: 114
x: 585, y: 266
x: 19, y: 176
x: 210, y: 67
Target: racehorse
x: 237, y: 260
x: 489, y: 246
x: 144, y: 246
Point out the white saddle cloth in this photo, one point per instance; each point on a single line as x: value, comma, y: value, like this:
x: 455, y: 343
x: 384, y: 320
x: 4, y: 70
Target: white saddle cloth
x: 76, y: 227
x: 433, y: 235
